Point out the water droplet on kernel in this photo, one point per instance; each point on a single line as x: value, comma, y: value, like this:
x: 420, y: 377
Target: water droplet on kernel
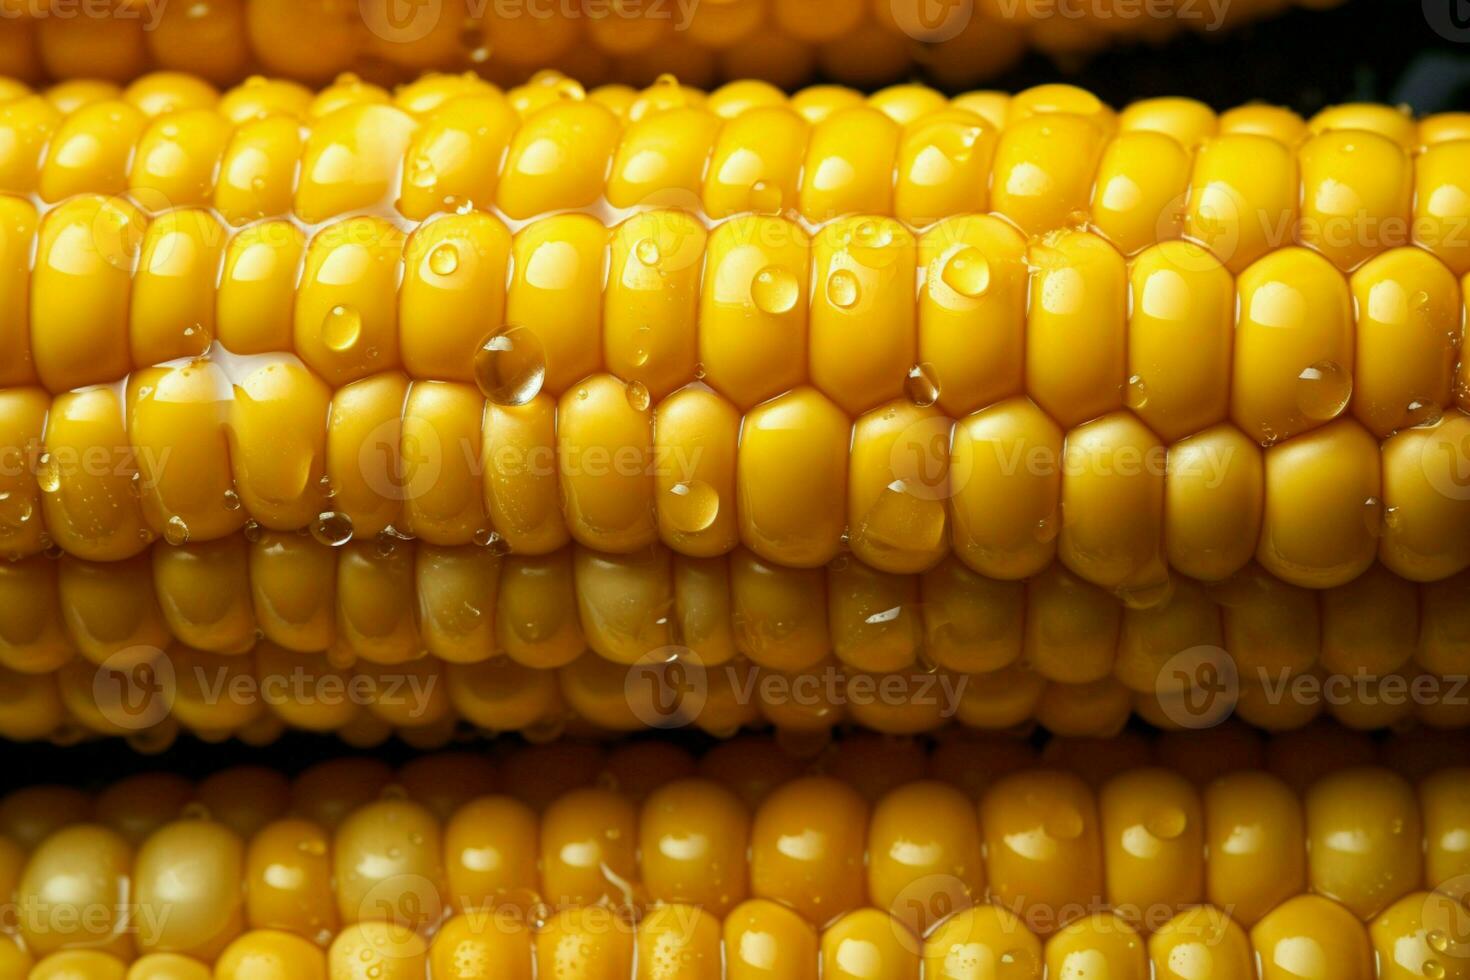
x: 967, y: 272
x: 692, y: 507
x: 492, y: 541
x: 510, y: 366
x: 1135, y: 395
x: 48, y: 473
x: 332, y: 528
x: 232, y: 500
x: 921, y: 386
x: 251, y: 530
x: 341, y: 328
x: 1392, y: 517
x: 444, y: 259
x: 774, y: 290
x: 1438, y: 941
x: 1433, y: 969
x: 640, y: 356
x: 1323, y: 390
x: 1373, y: 517
x: 175, y: 531
x: 647, y: 251
x: 842, y: 289
x: 1423, y: 413
x: 638, y: 396
x: 1167, y: 824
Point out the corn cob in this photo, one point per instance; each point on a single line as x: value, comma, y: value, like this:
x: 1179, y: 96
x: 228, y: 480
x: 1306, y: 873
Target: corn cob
x: 520, y: 641
x: 858, y: 43
x: 325, y: 869
x: 625, y: 396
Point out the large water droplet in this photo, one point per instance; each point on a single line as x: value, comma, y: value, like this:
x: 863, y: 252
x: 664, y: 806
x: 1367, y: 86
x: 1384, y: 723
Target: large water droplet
x: 232, y: 500
x: 48, y: 473
x: 903, y: 521
x: 510, y: 366
x: 1135, y: 395
x: 492, y: 541
x: 921, y: 385
x: 1323, y: 390
x: 647, y: 251
x: 176, y: 531
x: 341, y: 328
x: 332, y: 528
x: 967, y: 272
x: 774, y: 290
x: 252, y: 530
x: 638, y: 396
x: 444, y: 259
x: 692, y: 507
x: 1423, y: 412
x: 842, y: 289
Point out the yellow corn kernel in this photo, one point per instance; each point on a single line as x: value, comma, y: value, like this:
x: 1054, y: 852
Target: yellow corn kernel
x: 605, y: 440
x: 1323, y: 511
x: 1242, y: 198
x: 454, y: 157
x: 943, y: 165
x: 652, y: 293
x: 849, y: 165
x: 1356, y: 189
x: 557, y: 159
x: 1037, y: 184
x: 193, y: 868
x: 90, y: 151
x: 696, y: 445
x: 805, y: 877
x: 457, y: 588
x: 257, y: 289
x: 1006, y: 484
x: 175, y: 160
x: 556, y: 293
x: 1442, y: 203
x: 1113, y: 507
x: 346, y: 320
x: 1042, y: 845
x: 453, y: 287
x: 92, y: 509
x: 756, y: 163
x: 257, y: 171
x: 376, y: 602
x: 80, y: 287
x: 521, y: 475
x: 29, y: 124
x: 536, y: 616
x: 265, y: 952
x: 1312, y: 936
x: 1294, y: 346
x: 1140, y: 186
x: 764, y: 595
x: 18, y: 221
x: 1103, y: 941
x: 1201, y: 941
x: 753, y: 309
x: 1256, y: 836
x: 792, y: 464
x: 351, y: 161
x: 972, y: 311
x: 1408, y: 313
x: 1071, y: 628
x: 1076, y: 348
x: 1180, y: 335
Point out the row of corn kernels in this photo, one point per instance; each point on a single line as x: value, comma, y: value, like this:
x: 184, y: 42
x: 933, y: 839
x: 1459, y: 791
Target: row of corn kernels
x: 389, y: 605
x: 865, y: 43
x: 1352, y: 182
x: 160, y: 874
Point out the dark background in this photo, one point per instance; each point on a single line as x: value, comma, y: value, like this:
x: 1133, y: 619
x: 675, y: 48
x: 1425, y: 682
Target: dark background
x: 1365, y: 50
